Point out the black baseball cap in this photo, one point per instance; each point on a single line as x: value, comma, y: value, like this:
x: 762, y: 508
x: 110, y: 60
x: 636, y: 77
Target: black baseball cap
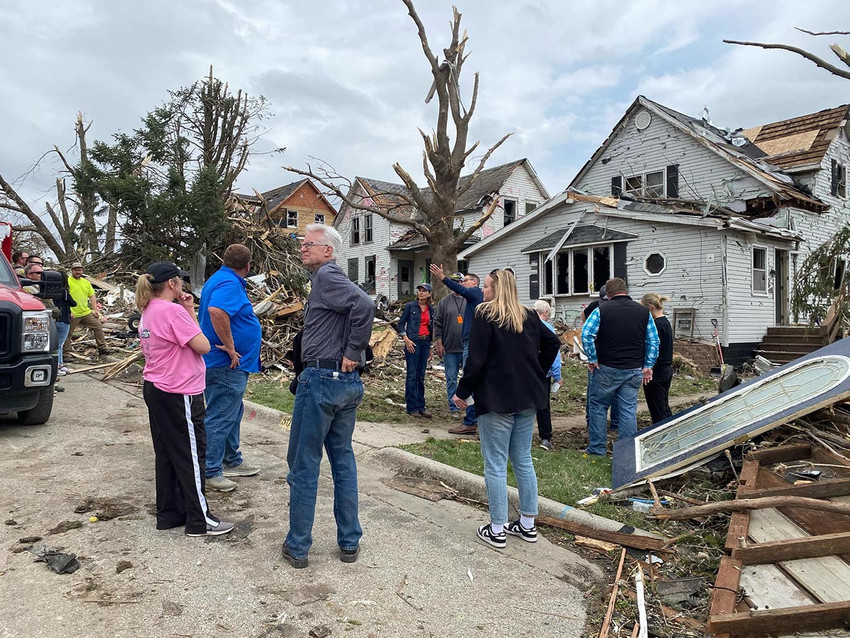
x: 161, y: 271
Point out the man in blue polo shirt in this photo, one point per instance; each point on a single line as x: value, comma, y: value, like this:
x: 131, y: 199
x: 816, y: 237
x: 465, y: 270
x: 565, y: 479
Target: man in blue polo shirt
x: 227, y: 319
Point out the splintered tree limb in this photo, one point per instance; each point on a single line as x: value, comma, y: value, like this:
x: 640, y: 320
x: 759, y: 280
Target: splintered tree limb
x: 801, y: 52
x: 747, y: 505
x: 823, y: 32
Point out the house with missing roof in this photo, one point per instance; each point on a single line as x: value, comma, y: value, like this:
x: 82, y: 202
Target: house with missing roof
x: 718, y: 220
x: 292, y: 207
x: 387, y: 258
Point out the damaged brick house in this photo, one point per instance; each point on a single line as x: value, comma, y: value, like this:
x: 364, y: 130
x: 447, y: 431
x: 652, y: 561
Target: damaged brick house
x: 388, y: 258
x: 717, y: 220
x: 292, y: 206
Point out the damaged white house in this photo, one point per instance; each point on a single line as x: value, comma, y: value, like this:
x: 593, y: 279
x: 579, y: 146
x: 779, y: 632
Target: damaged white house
x: 388, y: 258
x: 717, y: 220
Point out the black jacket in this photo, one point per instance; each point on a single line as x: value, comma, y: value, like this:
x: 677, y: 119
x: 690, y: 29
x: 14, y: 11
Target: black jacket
x: 506, y: 371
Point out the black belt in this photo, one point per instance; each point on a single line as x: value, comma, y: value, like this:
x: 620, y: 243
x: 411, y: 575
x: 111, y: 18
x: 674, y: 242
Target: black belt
x: 325, y: 364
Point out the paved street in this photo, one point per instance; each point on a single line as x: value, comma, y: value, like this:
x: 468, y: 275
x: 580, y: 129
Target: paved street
x: 421, y: 571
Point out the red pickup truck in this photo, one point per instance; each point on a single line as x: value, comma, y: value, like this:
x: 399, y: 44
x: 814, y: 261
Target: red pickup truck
x: 28, y: 346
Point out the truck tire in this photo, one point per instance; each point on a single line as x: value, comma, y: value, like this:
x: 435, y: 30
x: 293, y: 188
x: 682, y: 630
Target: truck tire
x: 41, y: 412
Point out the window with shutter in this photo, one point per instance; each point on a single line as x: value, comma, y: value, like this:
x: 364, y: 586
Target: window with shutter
x: 617, y: 186
x: 673, y: 180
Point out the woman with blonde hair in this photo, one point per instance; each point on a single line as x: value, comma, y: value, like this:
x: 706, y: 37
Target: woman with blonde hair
x: 510, y: 352
x: 657, y: 391
x: 175, y: 377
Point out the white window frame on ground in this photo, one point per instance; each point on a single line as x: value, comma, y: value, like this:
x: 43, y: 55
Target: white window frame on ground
x: 636, y: 185
x: 291, y: 218
x: 569, y: 254
x: 758, y: 273
x: 509, y: 219
x: 319, y: 218
x: 368, y: 228
x: 663, y: 268
x: 355, y: 231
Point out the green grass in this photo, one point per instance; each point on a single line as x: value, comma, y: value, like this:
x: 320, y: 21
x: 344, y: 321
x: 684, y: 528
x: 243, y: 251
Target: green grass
x: 272, y: 394
x: 563, y: 475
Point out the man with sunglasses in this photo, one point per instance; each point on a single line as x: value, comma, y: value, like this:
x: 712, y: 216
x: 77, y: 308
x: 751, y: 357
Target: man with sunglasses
x: 469, y: 289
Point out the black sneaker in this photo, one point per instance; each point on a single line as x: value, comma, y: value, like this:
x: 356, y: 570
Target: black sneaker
x: 218, y: 529
x: 349, y: 555
x: 486, y: 534
x: 516, y: 529
x: 297, y: 563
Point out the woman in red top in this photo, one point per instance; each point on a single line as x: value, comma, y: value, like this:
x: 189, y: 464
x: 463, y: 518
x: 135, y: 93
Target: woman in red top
x: 415, y: 327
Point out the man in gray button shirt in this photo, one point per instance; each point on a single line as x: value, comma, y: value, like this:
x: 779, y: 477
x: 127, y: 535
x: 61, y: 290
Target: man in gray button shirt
x: 337, y: 327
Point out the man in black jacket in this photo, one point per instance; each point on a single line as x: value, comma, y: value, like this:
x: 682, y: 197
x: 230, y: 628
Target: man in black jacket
x: 621, y: 344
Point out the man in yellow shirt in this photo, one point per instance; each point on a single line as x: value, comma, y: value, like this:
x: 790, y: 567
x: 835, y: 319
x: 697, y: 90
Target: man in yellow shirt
x: 84, y: 314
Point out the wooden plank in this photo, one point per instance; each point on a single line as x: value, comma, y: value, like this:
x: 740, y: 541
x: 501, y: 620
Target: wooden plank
x: 629, y: 540
x: 609, y: 613
x: 818, y: 489
x: 725, y: 590
x: 781, y: 454
x: 737, y: 533
x: 792, y: 549
x: 768, y: 587
x: 789, y: 619
x: 826, y: 578
x: 748, y: 477
x: 816, y: 523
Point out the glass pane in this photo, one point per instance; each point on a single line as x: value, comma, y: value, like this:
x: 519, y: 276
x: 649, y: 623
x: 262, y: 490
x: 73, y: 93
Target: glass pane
x: 761, y: 401
x: 601, y: 266
x: 759, y: 258
x: 634, y: 184
x: 563, y: 273
x: 654, y: 184
x: 581, y: 279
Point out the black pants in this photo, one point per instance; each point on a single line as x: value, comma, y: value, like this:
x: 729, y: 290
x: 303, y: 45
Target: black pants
x: 544, y: 417
x: 657, y: 392
x: 180, y: 445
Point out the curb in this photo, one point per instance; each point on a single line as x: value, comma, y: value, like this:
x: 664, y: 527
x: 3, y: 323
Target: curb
x: 468, y: 484
x: 472, y: 486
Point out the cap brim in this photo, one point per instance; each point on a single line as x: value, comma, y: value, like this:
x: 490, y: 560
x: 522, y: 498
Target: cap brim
x: 182, y: 273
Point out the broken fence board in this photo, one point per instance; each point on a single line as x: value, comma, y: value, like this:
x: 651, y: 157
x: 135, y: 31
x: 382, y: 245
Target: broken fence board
x: 818, y: 489
x: 781, y: 454
x: 789, y: 619
x: 793, y: 549
x: 629, y: 540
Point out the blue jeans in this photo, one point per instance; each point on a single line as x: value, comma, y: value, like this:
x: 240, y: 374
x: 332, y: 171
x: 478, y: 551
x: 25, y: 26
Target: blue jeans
x: 225, y: 389
x: 612, y: 386
x: 469, y: 417
x: 452, y: 362
x: 615, y: 410
x: 323, y: 414
x: 62, y: 330
x: 414, y: 385
x: 503, y: 437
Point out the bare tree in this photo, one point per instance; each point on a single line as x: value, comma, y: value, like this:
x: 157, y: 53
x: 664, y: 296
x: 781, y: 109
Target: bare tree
x: 839, y: 52
x: 443, y: 158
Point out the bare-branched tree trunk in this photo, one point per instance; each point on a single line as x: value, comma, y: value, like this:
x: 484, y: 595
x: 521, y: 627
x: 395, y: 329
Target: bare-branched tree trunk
x: 444, y: 158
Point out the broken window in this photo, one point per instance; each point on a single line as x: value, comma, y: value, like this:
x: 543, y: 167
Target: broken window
x: 759, y: 269
x: 510, y: 210
x: 355, y: 230
x: 530, y: 206
x: 563, y: 283
x: 601, y: 266
x: 654, y: 264
x: 319, y: 218
x: 368, y: 227
x: 292, y: 218
x: 548, y: 276
x: 581, y: 274
x: 369, y: 285
x: 646, y: 185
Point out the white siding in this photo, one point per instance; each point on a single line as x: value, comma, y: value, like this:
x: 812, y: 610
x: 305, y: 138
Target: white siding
x: 703, y: 174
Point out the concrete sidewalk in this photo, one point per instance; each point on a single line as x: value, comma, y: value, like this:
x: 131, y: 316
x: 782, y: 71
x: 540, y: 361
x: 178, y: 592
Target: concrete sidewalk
x: 421, y: 569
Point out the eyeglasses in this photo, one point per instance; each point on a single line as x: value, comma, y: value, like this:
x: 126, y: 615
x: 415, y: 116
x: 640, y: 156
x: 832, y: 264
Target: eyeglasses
x: 307, y: 245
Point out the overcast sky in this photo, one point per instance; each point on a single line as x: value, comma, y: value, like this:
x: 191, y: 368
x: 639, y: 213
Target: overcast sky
x: 347, y: 78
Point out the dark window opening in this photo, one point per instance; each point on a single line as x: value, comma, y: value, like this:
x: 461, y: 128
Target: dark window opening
x: 355, y: 230
x: 510, y: 211
x: 548, y: 273
x: 581, y: 279
x: 353, y: 268
x: 601, y: 266
x: 840, y: 267
x: 563, y: 273
x: 369, y: 285
x: 368, y: 229
x: 654, y: 263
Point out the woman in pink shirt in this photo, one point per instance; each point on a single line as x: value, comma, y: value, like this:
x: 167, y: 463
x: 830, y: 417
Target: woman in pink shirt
x: 173, y: 343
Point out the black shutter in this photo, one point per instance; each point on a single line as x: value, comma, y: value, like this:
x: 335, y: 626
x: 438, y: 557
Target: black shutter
x: 620, y: 260
x: 534, y: 277
x: 673, y: 180
x: 617, y: 186
x: 833, y: 186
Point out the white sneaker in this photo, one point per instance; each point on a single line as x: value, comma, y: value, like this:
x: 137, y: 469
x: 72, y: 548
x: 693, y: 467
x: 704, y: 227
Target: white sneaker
x: 222, y: 527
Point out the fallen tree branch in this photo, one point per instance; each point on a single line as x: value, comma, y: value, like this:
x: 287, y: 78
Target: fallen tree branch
x: 747, y: 505
x: 629, y: 540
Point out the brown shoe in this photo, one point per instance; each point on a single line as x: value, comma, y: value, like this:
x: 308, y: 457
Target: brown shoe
x: 464, y: 429
x: 426, y: 414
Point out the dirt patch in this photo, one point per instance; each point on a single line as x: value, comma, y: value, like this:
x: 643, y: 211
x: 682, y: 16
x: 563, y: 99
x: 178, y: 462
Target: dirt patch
x: 105, y: 509
x: 65, y: 526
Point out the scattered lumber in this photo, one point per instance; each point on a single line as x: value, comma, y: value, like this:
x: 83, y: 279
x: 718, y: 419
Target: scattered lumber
x: 609, y: 613
x: 667, y: 514
x: 620, y: 538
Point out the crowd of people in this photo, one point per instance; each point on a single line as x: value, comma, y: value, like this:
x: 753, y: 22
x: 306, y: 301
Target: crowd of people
x: 502, y: 365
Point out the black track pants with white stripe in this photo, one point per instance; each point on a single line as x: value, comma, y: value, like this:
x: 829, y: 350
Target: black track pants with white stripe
x: 180, y: 444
